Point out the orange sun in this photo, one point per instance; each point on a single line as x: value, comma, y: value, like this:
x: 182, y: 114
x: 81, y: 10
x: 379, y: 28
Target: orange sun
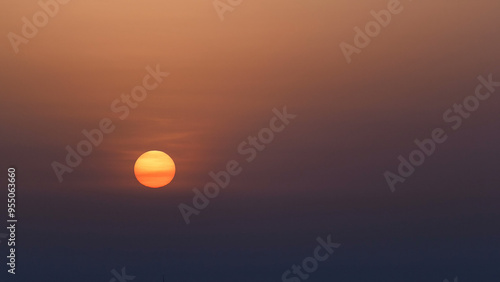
x: 154, y: 169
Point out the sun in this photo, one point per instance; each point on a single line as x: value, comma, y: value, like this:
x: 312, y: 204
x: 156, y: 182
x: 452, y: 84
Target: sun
x: 154, y: 169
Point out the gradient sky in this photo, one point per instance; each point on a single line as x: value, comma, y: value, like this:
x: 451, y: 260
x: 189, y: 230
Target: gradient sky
x: 322, y: 175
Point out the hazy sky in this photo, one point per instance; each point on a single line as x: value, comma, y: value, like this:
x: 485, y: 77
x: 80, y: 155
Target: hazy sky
x: 323, y: 174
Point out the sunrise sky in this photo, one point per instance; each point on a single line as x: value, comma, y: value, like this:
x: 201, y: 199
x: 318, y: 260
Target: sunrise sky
x: 323, y: 174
